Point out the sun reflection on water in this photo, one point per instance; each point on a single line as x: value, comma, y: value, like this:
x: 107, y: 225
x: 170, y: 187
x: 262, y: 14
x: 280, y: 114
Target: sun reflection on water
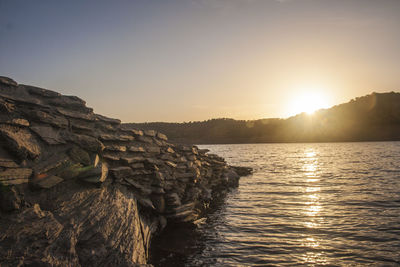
x: 312, y: 205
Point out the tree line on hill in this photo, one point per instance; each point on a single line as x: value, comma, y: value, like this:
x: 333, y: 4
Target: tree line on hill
x: 374, y: 117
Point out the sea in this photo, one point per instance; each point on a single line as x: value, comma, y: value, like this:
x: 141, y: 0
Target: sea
x: 307, y: 204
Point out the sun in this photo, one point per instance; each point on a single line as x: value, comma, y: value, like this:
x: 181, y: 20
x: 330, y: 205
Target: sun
x: 308, y: 102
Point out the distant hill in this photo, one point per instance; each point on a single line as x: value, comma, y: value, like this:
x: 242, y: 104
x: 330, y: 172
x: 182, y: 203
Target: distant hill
x: 374, y: 117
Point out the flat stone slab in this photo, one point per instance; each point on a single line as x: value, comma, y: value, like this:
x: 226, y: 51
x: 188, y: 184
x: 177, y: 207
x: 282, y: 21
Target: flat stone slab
x: 171, y: 164
x: 136, y: 149
x: 108, y: 120
x: 121, y: 172
x: 15, y: 176
x: 79, y: 155
x: 6, y: 160
x: 54, y: 161
x: 162, y: 136
x: 48, y: 134
x: 41, y: 92
x: 115, y: 148
x: 7, y: 81
x: 145, y: 139
x: 47, y: 182
x: 153, y: 149
x: 87, y: 142
x: 116, y: 137
x: 142, y: 188
x: 130, y: 160
x: 49, y: 118
x: 151, y: 133
x: 8, y: 119
x: 21, y: 140
x: 76, y: 114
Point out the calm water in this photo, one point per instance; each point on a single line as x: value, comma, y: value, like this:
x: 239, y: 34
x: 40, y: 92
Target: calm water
x: 307, y: 204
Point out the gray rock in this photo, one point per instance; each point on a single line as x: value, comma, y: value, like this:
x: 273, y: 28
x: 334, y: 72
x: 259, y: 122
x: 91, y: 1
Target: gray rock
x: 157, y: 190
x: 20, y: 95
x: 150, y: 133
x: 163, y: 222
x: 170, y: 150
x: 130, y: 160
x: 7, y: 81
x: 76, y: 114
x: 153, y: 149
x: 21, y: 141
x: 115, y: 148
x: 159, y: 176
x: 91, y: 225
x: 41, y: 92
x: 111, y: 156
x: 184, y: 175
x: 137, y: 132
x: 153, y: 161
x: 48, y: 134
x: 185, y: 207
x: 171, y: 164
x: 173, y: 200
x: 184, y: 216
x: 145, y: 139
x: 145, y: 202
x: 81, y: 125
x: 137, y: 166
x: 162, y: 136
x: 8, y: 119
x: 108, y: 120
x: 116, y: 137
x: 6, y: 160
x: 14, y: 176
x: 9, y: 199
x: 203, y: 151
x: 191, y: 157
x: 137, y: 185
x: 46, y: 182
x: 79, y: 155
x: 70, y: 102
x: 87, y: 142
x: 49, y: 118
x: 232, y: 178
x: 6, y: 106
x: 167, y: 157
x: 52, y: 163
x: 136, y: 149
x: 158, y: 202
x: 121, y: 172
x: 242, y: 171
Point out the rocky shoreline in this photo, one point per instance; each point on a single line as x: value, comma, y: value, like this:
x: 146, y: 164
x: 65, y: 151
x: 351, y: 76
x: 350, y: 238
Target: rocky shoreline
x: 81, y: 189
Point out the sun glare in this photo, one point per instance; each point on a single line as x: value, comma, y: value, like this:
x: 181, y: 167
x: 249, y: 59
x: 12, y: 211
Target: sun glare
x: 308, y: 102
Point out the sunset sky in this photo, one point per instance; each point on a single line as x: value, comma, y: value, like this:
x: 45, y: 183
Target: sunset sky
x: 200, y: 59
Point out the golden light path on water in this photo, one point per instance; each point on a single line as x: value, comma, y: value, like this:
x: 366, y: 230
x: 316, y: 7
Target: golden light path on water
x: 313, y: 207
x: 334, y: 204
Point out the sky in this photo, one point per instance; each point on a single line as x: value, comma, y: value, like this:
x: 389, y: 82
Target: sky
x: 194, y: 60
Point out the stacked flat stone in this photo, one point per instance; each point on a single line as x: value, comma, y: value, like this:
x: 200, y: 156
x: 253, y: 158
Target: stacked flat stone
x: 48, y: 138
x: 52, y: 144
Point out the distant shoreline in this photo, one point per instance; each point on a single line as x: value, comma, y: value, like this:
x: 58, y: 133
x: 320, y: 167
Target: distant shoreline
x: 371, y: 118
x: 322, y: 142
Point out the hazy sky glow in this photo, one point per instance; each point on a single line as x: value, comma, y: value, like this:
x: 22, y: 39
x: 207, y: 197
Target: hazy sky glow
x: 201, y: 59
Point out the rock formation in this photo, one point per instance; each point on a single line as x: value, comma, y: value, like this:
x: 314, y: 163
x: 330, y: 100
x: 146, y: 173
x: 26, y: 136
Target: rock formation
x: 81, y: 189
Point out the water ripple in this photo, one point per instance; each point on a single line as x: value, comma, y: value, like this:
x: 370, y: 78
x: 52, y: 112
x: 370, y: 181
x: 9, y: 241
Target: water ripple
x: 307, y: 204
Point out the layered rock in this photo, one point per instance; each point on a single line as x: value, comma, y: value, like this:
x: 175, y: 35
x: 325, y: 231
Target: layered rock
x: 81, y: 189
